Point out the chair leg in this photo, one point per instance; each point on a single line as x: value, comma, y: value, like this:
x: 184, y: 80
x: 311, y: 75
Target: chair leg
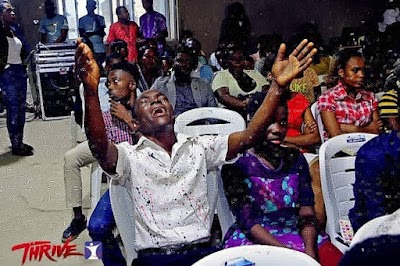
x: 74, y: 128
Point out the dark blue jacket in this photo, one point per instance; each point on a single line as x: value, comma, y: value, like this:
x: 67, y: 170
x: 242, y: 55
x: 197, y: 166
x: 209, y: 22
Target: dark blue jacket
x: 377, y: 183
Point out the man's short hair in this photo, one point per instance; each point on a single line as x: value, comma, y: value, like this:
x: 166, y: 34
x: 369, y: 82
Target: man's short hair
x: 129, y: 68
x: 49, y: 3
x: 111, y: 56
x: 118, y: 9
x: 186, y: 50
x: 91, y: 3
x: 118, y: 44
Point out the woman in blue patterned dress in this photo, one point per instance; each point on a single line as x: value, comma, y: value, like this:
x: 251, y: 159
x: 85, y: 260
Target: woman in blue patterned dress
x: 270, y: 194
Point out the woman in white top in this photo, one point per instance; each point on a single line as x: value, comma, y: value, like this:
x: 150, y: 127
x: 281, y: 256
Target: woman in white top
x: 13, y: 53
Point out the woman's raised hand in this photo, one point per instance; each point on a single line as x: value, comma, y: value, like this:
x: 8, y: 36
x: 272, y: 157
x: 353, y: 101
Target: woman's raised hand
x: 285, y: 69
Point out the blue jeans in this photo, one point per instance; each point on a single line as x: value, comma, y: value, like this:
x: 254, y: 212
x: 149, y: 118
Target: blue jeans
x: 100, y: 228
x: 13, y: 86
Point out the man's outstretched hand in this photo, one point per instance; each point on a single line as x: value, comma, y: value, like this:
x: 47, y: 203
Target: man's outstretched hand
x: 86, y: 67
x: 286, y: 69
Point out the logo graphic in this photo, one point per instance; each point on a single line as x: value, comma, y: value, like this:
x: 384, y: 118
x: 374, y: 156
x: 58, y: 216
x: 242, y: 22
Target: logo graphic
x: 37, y: 250
x: 93, y: 250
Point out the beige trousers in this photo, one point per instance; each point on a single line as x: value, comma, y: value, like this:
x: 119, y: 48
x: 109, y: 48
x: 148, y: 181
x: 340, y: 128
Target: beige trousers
x: 74, y: 160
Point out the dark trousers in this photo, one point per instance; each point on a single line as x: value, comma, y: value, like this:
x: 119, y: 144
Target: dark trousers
x: 13, y: 84
x: 181, y: 258
x: 101, y: 225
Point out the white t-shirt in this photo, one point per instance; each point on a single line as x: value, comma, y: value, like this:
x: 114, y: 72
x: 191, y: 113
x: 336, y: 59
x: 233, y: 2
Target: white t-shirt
x: 14, y: 51
x: 225, y: 79
x: 170, y: 192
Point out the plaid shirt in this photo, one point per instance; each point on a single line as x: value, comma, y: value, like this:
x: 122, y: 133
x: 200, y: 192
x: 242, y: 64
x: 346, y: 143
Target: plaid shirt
x: 117, y: 130
x: 355, y: 111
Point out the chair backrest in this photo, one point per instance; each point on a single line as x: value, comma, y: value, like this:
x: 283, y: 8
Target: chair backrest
x: 383, y: 225
x: 337, y: 179
x: 368, y: 230
x: 224, y: 122
x: 122, y: 207
x: 317, y: 116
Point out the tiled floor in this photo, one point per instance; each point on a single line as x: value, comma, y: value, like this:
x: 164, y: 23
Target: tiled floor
x: 32, y: 194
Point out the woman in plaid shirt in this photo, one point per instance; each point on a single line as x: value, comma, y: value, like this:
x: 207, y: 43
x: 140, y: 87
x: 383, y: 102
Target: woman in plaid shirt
x: 347, y: 107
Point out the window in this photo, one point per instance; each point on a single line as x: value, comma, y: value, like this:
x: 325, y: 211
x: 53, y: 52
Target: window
x: 73, y: 10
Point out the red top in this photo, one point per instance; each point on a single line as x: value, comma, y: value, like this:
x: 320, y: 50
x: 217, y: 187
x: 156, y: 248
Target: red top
x: 128, y: 33
x: 296, y: 107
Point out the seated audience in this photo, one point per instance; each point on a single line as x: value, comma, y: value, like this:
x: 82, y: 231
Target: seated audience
x: 218, y: 59
x: 302, y: 134
x: 381, y: 244
x: 121, y: 47
x: 234, y: 86
x: 202, y: 70
x: 389, y: 110
x: 183, y: 91
x: 173, y: 168
x: 267, y: 47
x: 306, y: 84
x: 150, y: 65
x: 347, y: 107
x: 248, y: 63
x: 270, y: 194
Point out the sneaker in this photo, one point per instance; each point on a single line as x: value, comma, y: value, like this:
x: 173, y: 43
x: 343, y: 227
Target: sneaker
x: 74, y: 229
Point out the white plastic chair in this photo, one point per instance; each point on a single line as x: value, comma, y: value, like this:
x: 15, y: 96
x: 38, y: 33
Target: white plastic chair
x: 337, y: 179
x: 260, y: 255
x: 383, y: 225
x: 122, y: 207
x: 231, y: 122
x: 367, y: 230
x: 317, y: 117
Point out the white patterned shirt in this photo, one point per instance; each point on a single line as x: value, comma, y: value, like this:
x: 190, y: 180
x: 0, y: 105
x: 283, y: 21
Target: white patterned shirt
x: 170, y: 192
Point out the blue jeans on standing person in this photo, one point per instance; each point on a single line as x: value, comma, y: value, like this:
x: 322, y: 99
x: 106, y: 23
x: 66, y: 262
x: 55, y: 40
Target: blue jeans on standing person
x: 101, y: 226
x: 13, y: 84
